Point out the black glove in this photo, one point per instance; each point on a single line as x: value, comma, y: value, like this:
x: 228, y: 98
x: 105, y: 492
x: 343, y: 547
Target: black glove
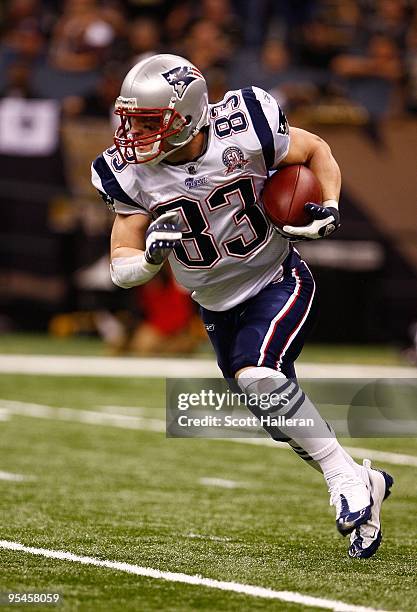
x: 161, y: 237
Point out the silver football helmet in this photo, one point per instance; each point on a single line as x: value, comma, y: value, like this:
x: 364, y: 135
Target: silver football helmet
x: 168, y: 96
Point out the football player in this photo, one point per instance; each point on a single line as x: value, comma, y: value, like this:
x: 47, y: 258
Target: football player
x: 184, y: 178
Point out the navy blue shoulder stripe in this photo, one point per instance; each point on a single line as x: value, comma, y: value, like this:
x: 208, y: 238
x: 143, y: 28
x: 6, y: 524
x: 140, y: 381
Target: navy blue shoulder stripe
x: 261, y: 125
x: 110, y: 184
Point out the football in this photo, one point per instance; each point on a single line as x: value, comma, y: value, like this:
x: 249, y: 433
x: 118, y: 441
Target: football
x: 287, y: 191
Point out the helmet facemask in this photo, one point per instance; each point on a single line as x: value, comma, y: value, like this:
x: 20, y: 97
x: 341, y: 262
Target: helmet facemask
x: 170, y: 93
x: 146, y: 144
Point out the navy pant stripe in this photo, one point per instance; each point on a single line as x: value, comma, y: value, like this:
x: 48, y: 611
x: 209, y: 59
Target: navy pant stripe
x: 297, y: 327
x: 279, y: 317
x: 287, y: 327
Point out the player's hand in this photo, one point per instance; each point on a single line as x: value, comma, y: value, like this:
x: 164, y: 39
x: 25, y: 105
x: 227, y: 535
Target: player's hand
x: 326, y: 220
x: 162, y: 236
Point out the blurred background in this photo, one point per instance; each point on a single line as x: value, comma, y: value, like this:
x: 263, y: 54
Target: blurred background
x: 344, y: 69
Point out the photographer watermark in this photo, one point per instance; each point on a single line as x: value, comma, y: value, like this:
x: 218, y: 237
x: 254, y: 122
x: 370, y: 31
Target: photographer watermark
x: 230, y: 399
x: 217, y: 408
x: 222, y: 402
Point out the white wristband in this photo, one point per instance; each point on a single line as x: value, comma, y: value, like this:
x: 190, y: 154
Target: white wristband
x: 127, y: 272
x: 331, y: 203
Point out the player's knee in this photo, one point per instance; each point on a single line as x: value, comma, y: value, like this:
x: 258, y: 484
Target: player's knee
x: 251, y: 376
x: 241, y: 370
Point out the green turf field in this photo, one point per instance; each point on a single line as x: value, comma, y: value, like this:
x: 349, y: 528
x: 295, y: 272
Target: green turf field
x: 132, y: 495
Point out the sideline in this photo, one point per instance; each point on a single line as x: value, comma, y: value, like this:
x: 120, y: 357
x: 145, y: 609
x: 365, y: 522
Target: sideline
x: 128, y: 367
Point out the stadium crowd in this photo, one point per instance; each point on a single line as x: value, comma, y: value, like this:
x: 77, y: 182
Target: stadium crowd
x: 307, y: 52
x: 62, y: 62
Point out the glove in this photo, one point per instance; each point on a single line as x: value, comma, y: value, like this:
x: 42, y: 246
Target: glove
x: 162, y: 236
x: 326, y: 220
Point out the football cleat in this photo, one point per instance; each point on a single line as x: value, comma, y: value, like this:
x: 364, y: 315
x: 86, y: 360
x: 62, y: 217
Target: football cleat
x: 365, y: 539
x: 350, y: 496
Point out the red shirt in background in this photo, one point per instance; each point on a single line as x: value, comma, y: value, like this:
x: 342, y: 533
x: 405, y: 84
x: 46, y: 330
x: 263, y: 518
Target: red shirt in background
x: 165, y: 306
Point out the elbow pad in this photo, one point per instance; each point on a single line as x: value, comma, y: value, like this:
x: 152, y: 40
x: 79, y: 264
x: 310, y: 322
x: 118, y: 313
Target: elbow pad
x: 127, y: 272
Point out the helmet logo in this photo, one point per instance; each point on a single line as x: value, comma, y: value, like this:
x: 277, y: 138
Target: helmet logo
x: 180, y: 78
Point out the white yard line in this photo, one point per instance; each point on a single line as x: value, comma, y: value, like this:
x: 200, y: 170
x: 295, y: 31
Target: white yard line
x: 234, y: 587
x: 129, y: 410
x: 383, y: 456
x: 64, y: 365
x: 360, y: 453
x: 222, y: 482
x: 4, y: 415
x: 108, y: 366
x: 199, y: 536
x: 90, y: 417
x: 122, y: 421
x: 11, y: 477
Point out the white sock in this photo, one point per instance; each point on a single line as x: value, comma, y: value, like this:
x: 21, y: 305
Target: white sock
x: 356, y: 466
x: 318, y: 442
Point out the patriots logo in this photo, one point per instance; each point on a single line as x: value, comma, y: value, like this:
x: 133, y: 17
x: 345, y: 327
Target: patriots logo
x: 179, y: 78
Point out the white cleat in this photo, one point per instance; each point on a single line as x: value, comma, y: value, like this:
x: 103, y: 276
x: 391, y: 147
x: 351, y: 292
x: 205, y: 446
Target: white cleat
x: 350, y: 495
x: 365, y: 539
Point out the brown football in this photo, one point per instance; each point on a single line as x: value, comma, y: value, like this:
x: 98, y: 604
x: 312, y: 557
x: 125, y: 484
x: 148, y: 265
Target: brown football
x: 287, y: 191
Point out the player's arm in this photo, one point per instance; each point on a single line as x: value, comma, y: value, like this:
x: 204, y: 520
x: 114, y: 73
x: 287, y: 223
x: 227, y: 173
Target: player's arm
x: 139, y: 248
x: 128, y: 235
x: 311, y: 150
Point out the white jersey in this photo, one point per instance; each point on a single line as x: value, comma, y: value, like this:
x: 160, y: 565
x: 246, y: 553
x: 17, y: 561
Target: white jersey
x: 229, y: 250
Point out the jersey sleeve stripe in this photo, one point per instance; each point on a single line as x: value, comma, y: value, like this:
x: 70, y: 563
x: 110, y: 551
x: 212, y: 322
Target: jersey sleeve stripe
x: 110, y: 184
x: 261, y: 125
